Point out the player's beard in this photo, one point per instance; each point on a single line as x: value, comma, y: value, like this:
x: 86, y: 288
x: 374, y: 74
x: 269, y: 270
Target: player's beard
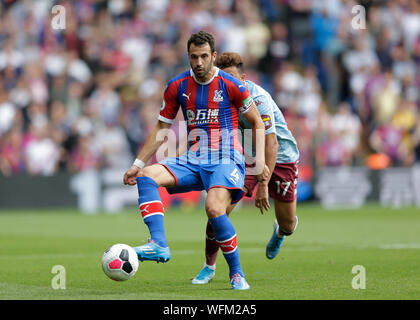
x: 203, y: 74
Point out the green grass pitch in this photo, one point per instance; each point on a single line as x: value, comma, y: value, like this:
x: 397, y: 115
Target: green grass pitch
x: 315, y: 263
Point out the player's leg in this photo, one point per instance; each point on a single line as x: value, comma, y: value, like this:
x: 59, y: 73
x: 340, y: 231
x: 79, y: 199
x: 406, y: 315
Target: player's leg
x: 211, y: 246
x: 152, y: 211
x: 284, y: 225
x: 159, y: 174
x: 177, y: 175
x: 208, y: 271
x: 285, y: 217
x: 282, y: 188
x: 211, y: 251
x: 217, y: 202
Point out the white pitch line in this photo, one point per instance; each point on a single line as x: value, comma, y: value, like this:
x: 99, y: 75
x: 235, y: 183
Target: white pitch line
x: 400, y: 246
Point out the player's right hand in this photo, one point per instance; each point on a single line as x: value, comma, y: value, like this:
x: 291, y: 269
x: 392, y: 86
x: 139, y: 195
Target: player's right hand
x: 131, y: 175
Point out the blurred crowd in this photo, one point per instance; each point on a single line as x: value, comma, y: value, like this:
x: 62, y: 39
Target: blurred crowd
x: 85, y: 97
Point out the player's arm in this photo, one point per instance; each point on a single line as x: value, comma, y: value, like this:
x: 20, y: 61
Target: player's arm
x: 271, y: 144
x: 154, y: 141
x: 152, y: 144
x: 258, y: 136
x: 249, y: 111
x: 168, y: 112
x: 271, y: 147
x: 262, y: 171
x: 261, y: 196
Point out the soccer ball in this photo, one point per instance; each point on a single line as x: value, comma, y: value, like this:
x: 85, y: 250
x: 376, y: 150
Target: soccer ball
x: 120, y: 262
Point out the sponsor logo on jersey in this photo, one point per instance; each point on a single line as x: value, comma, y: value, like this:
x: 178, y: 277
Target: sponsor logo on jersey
x: 203, y: 116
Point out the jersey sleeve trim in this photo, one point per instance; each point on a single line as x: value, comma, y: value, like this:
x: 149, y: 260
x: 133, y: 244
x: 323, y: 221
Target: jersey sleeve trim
x: 166, y: 120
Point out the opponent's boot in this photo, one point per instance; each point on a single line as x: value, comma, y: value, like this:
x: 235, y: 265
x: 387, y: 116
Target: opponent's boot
x: 274, y: 244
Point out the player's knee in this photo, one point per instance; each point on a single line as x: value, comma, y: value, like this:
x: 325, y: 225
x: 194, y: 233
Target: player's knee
x: 287, y: 227
x: 214, y: 210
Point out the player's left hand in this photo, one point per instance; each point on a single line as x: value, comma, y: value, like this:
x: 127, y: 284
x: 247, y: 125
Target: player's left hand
x: 263, y: 176
x: 261, y: 197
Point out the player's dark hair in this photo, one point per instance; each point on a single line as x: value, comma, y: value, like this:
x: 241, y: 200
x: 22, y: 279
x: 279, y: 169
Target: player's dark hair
x: 230, y: 59
x: 200, y: 38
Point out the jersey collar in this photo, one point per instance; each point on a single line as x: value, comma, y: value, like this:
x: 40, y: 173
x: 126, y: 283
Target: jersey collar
x: 207, y: 82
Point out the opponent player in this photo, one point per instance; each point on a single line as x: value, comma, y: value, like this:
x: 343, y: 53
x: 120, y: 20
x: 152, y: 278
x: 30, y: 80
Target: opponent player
x: 281, y: 155
x: 211, y: 101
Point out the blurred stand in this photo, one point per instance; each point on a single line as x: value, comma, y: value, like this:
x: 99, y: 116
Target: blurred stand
x: 83, y: 99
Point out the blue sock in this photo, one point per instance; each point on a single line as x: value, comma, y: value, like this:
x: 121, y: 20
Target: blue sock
x: 151, y: 209
x: 225, y: 235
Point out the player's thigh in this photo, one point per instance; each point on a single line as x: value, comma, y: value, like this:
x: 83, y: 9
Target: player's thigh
x: 217, y: 201
x: 283, y: 190
x: 160, y: 175
x: 228, y: 176
x: 283, y: 183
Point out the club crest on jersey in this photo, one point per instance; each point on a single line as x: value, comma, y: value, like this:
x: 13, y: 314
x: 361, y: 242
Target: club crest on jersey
x: 267, y: 121
x: 218, y: 96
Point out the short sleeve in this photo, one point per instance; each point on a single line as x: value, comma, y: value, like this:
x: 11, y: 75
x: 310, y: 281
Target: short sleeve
x: 266, y: 111
x: 240, y: 96
x: 170, y: 104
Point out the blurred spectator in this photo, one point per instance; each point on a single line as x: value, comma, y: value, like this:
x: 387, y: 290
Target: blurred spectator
x: 7, y: 112
x: 348, y: 127
x: 385, y: 99
x: 105, y: 101
x: 41, y: 153
x: 113, y: 145
x: 332, y: 151
x: 416, y: 140
x: 278, y: 49
x: 11, y: 157
x: 85, y: 155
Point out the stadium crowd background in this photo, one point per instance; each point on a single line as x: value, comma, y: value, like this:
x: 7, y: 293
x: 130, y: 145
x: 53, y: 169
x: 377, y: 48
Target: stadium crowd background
x: 86, y: 97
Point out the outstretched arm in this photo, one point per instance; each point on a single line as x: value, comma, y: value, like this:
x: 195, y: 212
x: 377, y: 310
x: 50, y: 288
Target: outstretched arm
x: 153, y: 142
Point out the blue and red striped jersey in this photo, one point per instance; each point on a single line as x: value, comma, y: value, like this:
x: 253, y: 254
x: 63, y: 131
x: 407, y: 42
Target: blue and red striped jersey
x: 210, y: 109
